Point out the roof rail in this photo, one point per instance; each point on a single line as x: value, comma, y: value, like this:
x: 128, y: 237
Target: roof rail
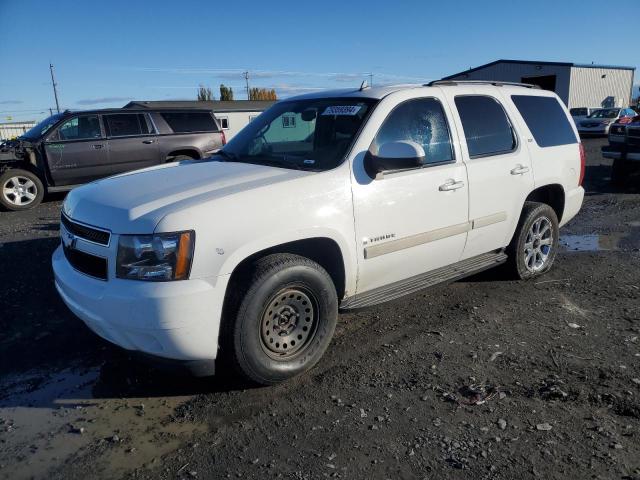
x: 496, y: 83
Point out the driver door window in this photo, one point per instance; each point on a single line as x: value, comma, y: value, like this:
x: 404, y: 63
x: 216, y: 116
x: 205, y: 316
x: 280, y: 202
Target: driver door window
x: 79, y: 128
x: 421, y: 121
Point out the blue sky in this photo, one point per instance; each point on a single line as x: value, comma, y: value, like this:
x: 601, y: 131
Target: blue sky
x: 106, y: 53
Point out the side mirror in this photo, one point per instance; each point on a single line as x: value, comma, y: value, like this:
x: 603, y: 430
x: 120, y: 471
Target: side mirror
x: 394, y: 156
x: 308, y: 114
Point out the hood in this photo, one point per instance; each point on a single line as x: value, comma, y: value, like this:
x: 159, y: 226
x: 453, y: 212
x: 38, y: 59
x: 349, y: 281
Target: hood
x: 135, y: 202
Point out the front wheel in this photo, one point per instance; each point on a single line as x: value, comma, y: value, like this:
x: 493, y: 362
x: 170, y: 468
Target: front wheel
x: 535, y: 243
x: 284, y: 322
x: 20, y: 189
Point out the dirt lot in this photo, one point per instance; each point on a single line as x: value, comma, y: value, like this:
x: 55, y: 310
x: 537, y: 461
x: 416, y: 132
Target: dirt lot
x: 483, y: 378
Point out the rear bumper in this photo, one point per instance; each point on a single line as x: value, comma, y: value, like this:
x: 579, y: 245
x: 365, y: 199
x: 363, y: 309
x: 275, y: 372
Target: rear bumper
x: 572, y: 204
x: 173, y: 320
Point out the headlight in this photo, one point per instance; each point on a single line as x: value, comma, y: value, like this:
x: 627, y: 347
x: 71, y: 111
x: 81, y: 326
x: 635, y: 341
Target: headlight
x: 160, y: 257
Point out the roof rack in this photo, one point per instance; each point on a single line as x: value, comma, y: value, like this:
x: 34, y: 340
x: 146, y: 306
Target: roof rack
x: 480, y: 82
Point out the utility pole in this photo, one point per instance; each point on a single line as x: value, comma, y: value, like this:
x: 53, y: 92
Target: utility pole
x: 50, y: 112
x: 55, y: 92
x: 246, y: 78
x: 371, y: 79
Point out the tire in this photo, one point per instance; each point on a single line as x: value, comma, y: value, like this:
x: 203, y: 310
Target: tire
x: 619, y: 171
x: 530, y: 253
x: 20, y: 190
x: 297, y: 297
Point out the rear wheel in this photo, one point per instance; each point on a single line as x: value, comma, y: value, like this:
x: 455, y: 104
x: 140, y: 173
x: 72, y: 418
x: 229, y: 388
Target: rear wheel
x: 20, y: 189
x: 535, y: 244
x: 284, y: 322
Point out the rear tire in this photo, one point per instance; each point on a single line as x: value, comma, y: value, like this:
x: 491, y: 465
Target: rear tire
x: 535, y: 243
x: 283, y: 323
x: 20, y: 190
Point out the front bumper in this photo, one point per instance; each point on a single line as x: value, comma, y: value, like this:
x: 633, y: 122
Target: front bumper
x: 598, y: 130
x: 173, y: 320
x: 621, y: 152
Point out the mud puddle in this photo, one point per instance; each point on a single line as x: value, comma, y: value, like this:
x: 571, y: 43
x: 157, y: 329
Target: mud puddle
x: 600, y: 242
x: 47, y: 418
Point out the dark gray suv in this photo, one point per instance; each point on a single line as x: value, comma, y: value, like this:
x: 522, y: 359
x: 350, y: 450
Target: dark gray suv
x: 72, y: 148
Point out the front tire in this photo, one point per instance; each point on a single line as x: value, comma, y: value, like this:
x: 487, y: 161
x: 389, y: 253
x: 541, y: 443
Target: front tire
x: 535, y: 243
x: 284, y: 322
x: 20, y: 190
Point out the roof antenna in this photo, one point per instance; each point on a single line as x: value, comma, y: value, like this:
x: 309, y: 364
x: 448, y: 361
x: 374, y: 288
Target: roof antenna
x: 364, y: 85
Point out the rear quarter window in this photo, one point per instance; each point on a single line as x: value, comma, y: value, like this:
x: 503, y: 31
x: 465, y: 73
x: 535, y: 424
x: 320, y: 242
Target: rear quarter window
x: 186, y: 122
x: 546, y: 120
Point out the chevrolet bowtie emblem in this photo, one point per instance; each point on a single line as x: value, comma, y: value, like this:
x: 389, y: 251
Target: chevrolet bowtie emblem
x: 69, y: 240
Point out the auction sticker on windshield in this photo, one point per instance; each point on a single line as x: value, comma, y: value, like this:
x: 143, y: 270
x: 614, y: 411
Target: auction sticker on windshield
x: 342, y: 110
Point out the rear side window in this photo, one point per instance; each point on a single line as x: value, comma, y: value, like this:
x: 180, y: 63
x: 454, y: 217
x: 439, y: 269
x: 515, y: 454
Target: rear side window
x: 486, y: 126
x: 185, y: 122
x: 126, y: 124
x: 421, y: 121
x: 546, y: 119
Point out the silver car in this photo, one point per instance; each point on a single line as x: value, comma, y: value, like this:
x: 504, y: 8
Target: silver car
x: 598, y: 122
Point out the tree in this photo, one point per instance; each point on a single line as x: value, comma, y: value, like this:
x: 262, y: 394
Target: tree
x: 226, y: 93
x: 204, y: 94
x: 262, y: 94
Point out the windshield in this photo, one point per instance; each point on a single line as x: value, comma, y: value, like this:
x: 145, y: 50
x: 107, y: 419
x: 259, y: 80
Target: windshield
x: 42, y: 127
x: 312, y: 134
x: 608, y: 113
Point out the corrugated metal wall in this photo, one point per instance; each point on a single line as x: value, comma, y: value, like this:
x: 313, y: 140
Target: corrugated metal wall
x: 513, y: 72
x: 599, y: 87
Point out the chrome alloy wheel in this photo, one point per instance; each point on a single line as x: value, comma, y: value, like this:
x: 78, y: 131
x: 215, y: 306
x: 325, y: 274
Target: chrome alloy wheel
x: 538, y: 244
x: 289, y: 322
x: 19, y: 190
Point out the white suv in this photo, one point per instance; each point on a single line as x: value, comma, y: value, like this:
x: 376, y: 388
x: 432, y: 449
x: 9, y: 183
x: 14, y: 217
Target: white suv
x: 328, y: 201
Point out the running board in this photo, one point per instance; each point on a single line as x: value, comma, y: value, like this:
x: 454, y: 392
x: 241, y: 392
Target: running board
x: 414, y: 284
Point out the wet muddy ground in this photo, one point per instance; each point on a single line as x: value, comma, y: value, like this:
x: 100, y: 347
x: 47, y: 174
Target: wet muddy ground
x: 484, y: 378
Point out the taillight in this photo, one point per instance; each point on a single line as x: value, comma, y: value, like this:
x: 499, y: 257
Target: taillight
x: 224, y: 137
x: 583, y: 161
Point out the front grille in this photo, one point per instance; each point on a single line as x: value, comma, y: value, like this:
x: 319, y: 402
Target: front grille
x: 86, y: 263
x: 617, y: 130
x: 87, y: 233
x: 633, y: 132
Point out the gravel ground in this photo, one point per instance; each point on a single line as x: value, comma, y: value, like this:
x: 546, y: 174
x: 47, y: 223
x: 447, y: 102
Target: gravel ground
x: 483, y: 378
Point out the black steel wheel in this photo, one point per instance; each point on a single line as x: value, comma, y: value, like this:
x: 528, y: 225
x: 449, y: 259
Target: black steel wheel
x: 284, y: 321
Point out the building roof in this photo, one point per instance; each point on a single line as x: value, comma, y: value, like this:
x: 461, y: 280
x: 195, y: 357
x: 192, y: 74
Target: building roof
x: 535, y: 62
x: 214, y: 105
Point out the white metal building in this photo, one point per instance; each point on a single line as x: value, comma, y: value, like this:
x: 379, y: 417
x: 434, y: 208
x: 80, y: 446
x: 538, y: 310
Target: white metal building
x: 233, y: 115
x: 11, y: 130
x: 578, y: 85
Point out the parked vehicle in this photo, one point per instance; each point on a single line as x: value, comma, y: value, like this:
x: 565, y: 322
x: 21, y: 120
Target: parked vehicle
x: 598, y: 122
x: 327, y: 201
x: 580, y: 113
x: 72, y: 148
x: 624, y: 150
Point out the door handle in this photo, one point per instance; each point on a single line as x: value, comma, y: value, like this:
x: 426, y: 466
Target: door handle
x: 450, y: 185
x: 97, y: 146
x: 519, y: 170
x: 148, y: 142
